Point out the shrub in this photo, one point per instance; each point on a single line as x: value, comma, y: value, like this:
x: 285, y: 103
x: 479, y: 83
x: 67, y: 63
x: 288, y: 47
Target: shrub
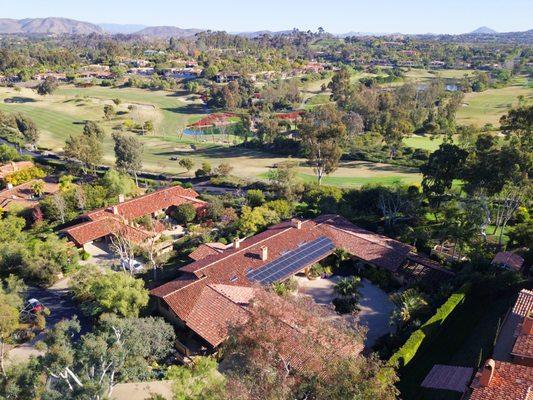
x: 429, y: 329
x: 184, y: 213
x: 24, y: 175
x: 255, y: 197
x: 284, y: 288
x: 345, y: 305
x: 84, y: 255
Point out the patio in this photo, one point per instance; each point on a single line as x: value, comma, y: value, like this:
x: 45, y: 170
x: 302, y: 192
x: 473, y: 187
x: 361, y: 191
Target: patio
x: 375, y: 306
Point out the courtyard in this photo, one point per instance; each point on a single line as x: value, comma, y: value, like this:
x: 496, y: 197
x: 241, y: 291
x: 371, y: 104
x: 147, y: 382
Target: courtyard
x: 375, y: 305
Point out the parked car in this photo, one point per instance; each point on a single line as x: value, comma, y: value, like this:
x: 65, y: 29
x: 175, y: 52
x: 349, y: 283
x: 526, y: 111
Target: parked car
x: 130, y: 264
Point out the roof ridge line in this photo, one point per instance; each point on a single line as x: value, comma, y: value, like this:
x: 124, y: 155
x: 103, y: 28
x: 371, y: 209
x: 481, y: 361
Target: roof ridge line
x: 183, y: 287
x: 241, y: 249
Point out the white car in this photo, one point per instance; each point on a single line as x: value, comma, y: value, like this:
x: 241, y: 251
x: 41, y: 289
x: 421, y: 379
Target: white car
x: 131, y: 264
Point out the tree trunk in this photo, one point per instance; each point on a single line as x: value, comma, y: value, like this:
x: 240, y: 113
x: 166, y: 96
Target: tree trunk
x: 2, y: 352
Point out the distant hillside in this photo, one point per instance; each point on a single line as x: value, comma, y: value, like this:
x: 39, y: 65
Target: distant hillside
x: 48, y: 26
x: 253, y: 35
x: 167, y: 32
x: 483, y: 31
x: 121, y: 28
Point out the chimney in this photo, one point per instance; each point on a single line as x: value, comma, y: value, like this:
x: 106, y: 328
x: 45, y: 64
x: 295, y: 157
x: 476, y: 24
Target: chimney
x: 297, y: 223
x: 121, y: 198
x: 10, y: 185
x: 527, y: 325
x: 264, y: 253
x: 236, y: 243
x: 487, y: 373
x: 115, y: 210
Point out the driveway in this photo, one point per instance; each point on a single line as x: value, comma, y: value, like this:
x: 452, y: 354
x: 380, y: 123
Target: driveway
x: 61, y: 305
x: 100, y: 253
x: 375, y: 305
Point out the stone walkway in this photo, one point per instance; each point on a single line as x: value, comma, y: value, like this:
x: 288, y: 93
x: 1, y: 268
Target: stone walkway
x: 375, y: 305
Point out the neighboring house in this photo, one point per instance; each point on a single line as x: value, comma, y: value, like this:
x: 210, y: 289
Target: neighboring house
x: 100, y: 224
x: 508, y: 260
x: 14, y: 166
x: 509, y: 376
x: 23, y: 197
x: 214, y: 291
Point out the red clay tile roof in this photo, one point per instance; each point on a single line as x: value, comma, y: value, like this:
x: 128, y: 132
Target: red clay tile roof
x: 11, y: 167
x: 509, y: 382
x: 206, y: 249
x: 524, y: 303
x: 150, y: 203
x: 523, y: 347
x: 231, y: 267
x: 448, y: 377
x: 104, y: 221
x: 23, y: 194
x: 509, y: 259
x: 212, y: 315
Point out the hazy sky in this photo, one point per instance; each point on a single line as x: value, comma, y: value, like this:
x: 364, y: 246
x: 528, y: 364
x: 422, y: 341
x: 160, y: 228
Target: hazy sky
x: 407, y: 16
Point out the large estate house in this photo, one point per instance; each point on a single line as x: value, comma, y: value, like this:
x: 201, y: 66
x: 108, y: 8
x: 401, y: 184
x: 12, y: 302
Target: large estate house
x: 99, y: 224
x: 214, y: 291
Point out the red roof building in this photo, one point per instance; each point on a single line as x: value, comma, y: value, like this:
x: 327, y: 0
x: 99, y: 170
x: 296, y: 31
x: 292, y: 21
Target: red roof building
x: 106, y: 221
x: 14, y: 166
x: 499, y: 380
x: 185, y: 299
x: 509, y: 376
x: 508, y: 260
x: 23, y: 196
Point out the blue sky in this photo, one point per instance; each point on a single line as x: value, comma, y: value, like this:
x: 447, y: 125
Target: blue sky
x: 407, y: 16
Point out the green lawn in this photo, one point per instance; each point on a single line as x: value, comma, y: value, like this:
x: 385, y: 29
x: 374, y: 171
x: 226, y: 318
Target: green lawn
x: 430, y: 143
x: 65, y: 112
x: 357, y: 181
x: 470, y: 331
x: 480, y: 108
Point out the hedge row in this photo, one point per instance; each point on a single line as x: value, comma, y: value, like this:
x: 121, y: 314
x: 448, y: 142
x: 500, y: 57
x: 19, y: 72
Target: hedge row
x: 426, y: 331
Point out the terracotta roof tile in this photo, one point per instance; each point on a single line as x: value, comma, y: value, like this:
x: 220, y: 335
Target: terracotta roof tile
x: 524, y: 303
x: 523, y: 346
x: 23, y: 194
x: 11, y: 167
x: 213, y: 314
x: 511, y: 260
x: 448, y: 377
x: 509, y: 382
x: 104, y: 221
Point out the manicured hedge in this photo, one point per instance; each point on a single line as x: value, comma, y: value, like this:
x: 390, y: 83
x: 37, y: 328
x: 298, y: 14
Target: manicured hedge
x: 426, y: 331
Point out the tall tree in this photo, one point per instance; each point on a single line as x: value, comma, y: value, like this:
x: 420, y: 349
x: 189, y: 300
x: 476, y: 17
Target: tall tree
x: 323, y: 134
x: 28, y: 129
x: 128, y: 153
x: 443, y: 166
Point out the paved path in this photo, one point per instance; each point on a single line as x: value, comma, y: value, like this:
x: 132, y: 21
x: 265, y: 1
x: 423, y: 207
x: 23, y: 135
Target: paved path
x: 376, y: 309
x: 58, y: 299
x: 375, y: 305
x: 142, y: 390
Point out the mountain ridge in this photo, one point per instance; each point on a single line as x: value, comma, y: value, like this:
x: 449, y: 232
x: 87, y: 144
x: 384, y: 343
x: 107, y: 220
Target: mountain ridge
x: 48, y: 26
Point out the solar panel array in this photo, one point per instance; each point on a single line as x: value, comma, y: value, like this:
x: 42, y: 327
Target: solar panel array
x: 292, y: 262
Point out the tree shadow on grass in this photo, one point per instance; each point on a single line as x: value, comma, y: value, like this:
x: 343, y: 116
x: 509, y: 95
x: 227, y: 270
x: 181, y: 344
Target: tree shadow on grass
x: 19, y: 100
x: 188, y: 109
x: 379, y: 167
x: 220, y: 152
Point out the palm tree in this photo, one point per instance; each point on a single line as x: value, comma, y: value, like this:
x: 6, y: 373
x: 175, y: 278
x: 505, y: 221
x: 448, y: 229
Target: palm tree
x: 348, y: 288
x: 409, y: 305
x: 38, y: 188
x: 340, y: 256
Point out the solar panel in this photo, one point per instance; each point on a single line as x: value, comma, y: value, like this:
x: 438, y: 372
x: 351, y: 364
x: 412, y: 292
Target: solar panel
x: 293, y: 261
